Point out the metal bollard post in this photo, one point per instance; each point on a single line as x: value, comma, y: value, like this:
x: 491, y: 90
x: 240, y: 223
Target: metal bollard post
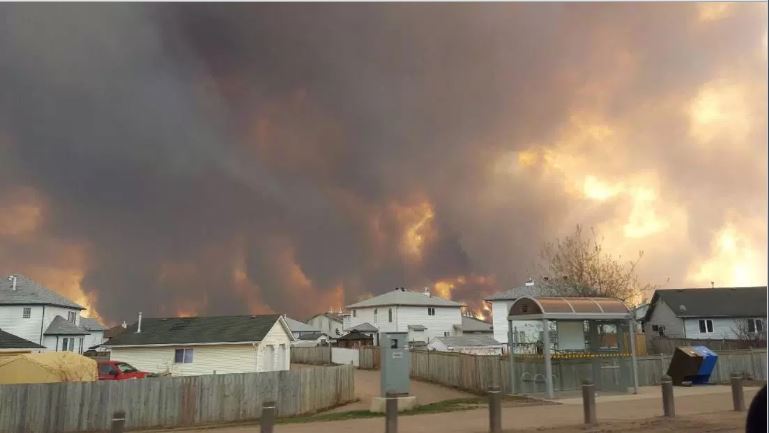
x: 738, y: 397
x: 391, y: 413
x: 118, y: 422
x: 267, y: 421
x: 588, y: 402
x: 668, y: 404
x: 495, y: 409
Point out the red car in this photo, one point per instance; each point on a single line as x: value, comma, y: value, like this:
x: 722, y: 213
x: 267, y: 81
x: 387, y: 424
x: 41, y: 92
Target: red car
x: 117, y: 370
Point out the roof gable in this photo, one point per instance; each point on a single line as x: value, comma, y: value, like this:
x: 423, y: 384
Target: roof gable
x: 531, y: 289
x: 297, y: 326
x: 90, y: 324
x: 29, y: 292
x: 471, y: 324
x: 713, y: 302
x: 62, y: 326
x: 407, y: 298
x: 199, y: 330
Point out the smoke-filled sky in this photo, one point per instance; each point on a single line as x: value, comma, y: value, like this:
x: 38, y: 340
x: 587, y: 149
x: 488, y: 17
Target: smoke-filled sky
x: 233, y: 158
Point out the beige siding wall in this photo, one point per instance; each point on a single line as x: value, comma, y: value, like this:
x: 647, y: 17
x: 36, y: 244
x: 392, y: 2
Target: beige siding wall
x: 280, y: 342
x: 499, y: 310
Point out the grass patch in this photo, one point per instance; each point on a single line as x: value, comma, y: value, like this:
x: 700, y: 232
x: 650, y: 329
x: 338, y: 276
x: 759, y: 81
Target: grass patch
x: 453, y: 405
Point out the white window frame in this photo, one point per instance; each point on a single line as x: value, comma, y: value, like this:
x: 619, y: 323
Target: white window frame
x: 758, y: 326
x: 707, y: 324
x: 71, y: 316
x: 185, y: 358
x: 390, y: 315
x: 26, y: 312
x: 431, y: 311
x: 375, y: 315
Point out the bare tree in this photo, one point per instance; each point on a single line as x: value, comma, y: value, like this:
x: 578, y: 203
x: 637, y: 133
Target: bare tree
x: 751, y: 331
x: 577, y: 265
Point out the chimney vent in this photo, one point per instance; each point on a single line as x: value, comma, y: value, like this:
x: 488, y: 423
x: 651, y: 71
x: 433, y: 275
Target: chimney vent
x: 139, y: 324
x: 427, y: 292
x: 12, y: 279
x: 530, y: 282
x: 124, y: 324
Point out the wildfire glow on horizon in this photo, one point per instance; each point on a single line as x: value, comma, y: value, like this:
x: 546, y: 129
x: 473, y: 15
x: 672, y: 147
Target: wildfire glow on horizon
x: 255, y: 158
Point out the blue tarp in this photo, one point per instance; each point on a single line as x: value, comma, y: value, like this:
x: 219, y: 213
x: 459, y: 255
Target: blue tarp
x: 709, y: 359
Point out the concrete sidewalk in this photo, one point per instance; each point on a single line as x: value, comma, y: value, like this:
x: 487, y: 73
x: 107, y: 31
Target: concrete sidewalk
x: 689, y: 401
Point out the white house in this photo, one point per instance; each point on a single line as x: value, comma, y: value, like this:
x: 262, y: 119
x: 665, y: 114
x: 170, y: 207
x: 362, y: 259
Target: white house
x: 500, y: 306
x: 422, y: 315
x: 332, y: 324
x: 40, y: 315
x: 95, y: 330
x: 715, y: 313
x: 189, y: 346
x: 299, y: 329
x: 470, y: 344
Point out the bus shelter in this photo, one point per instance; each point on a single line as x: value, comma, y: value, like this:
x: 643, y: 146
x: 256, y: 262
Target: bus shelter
x: 557, y: 342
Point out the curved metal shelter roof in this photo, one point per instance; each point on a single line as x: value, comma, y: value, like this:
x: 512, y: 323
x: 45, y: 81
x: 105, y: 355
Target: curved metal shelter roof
x: 568, y: 308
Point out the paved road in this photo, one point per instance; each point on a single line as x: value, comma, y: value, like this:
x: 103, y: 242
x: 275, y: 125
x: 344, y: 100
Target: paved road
x: 700, y: 400
x: 367, y: 386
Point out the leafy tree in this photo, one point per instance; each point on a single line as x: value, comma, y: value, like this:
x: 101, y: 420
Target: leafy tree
x: 577, y: 265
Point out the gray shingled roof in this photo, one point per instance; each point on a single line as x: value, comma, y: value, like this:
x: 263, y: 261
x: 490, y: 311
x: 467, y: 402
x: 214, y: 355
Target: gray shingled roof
x: 355, y: 335
x: 333, y: 316
x: 718, y: 302
x: 517, y: 292
x: 29, y: 292
x: 90, y: 324
x: 10, y: 341
x: 310, y: 336
x: 297, y: 326
x: 196, y: 330
x: 62, y: 326
x: 469, y: 341
x: 399, y: 297
x: 364, y: 327
x: 471, y: 324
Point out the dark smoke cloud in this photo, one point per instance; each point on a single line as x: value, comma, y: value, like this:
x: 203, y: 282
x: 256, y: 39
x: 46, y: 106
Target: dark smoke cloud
x: 218, y: 158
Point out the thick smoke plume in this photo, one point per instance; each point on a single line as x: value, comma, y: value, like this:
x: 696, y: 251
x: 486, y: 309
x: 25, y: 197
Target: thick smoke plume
x: 202, y: 159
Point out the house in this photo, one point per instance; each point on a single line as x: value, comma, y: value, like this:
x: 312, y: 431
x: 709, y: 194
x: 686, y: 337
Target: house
x: 188, y: 346
x: 367, y: 329
x: 470, y: 344
x: 501, y: 302
x: 639, y: 313
x: 471, y: 325
x: 95, y: 330
x: 355, y: 339
x: 311, y: 340
x: 330, y: 323
x: 11, y: 345
x: 298, y: 329
x: 37, y: 314
x: 422, y: 315
x: 713, y: 313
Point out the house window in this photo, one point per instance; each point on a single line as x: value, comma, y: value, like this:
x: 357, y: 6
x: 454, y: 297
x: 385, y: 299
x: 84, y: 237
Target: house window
x: 71, y: 315
x: 445, y: 333
x: 68, y: 344
x: 26, y: 313
x: 183, y: 356
x: 353, y: 313
x: 431, y: 311
x: 390, y: 315
x: 706, y: 326
x: 375, y: 311
x: 755, y: 325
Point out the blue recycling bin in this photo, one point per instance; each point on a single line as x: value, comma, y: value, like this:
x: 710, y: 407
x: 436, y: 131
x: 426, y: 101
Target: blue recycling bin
x: 709, y: 359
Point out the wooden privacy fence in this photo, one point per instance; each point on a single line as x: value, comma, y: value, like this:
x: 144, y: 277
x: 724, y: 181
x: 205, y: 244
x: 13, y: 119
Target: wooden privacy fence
x: 320, y: 355
x: 369, y: 358
x: 665, y: 345
x: 170, y: 401
x: 475, y: 373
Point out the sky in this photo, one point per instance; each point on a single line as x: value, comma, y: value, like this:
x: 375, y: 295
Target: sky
x: 201, y: 159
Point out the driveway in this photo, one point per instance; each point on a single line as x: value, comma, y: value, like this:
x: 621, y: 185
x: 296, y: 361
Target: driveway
x: 367, y: 387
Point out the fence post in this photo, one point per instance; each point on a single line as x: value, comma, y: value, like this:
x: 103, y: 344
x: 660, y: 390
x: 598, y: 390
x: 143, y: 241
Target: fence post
x: 668, y: 404
x: 391, y: 413
x: 495, y: 409
x: 267, y: 420
x: 118, y: 421
x: 588, y: 402
x: 738, y: 397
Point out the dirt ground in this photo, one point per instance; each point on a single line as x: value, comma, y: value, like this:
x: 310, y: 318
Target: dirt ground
x: 718, y: 422
x: 367, y: 387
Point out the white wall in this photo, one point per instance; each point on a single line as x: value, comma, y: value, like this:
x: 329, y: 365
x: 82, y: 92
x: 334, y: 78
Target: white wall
x: 722, y: 328
x: 276, y: 341
x: 439, y: 346
x: 333, y: 328
x: 221, y: 359
x: 94, y: 338
x: 664, y: 316
x: 11, y: 321
x: 342, y: 355
x: 403, y: 315
x: 571, y: 335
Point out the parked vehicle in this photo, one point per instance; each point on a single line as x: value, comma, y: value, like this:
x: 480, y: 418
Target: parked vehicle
x: 118, y: 370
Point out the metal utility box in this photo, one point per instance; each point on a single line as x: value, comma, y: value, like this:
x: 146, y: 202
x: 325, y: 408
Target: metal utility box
x: 395, y: 363
x: 692, y: 365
